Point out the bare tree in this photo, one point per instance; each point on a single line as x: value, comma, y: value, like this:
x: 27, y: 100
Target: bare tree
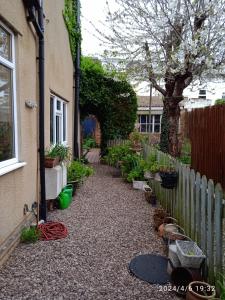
x: 174, y: 40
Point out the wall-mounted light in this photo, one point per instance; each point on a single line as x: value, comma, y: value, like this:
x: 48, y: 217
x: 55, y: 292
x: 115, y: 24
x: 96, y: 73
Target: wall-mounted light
x: 30, y: 104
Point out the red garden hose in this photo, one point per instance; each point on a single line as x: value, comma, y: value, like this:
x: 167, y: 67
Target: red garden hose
x: 52, y: 231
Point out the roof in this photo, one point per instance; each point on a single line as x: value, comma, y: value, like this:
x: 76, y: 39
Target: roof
x: 143, y: 101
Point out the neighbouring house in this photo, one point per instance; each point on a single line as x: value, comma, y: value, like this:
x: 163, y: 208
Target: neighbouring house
x: 20, y: 105
x: 144, y: 122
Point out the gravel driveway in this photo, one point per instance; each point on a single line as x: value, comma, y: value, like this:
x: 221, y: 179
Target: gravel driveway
x: 109, y: 223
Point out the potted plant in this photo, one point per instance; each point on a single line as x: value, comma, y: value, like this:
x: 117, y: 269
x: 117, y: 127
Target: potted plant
x: 51, y: 157
x: 169, y: 176
x: 76, y: 172
x: 199, y: 290
x: 55, y: 154
x: 136, y: 139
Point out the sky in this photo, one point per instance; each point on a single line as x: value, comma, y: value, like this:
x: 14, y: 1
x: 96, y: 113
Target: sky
x: 95, y: 12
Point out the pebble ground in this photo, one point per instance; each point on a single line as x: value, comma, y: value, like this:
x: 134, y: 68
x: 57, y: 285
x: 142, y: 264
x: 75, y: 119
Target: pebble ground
x: 109, y: 223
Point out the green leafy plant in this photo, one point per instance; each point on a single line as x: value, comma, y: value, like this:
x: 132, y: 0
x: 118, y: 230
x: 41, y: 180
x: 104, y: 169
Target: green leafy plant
x: 29, y: 235
x: 59, y: 150
x: 185, y: 156
x: 155, y: 167
x: 167, y: 167
x: 136, y: 137
x: 133, y: 167
x: 136, y: 174
x: 220, y: 101
x: 89, y: 143
x: 117, y: 153
x: 112, y: 101
x: 220, y: 283
x: 77, y: 171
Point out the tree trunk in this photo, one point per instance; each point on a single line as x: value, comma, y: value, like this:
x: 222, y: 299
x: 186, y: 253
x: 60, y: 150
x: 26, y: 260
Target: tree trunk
x: 172, y: 108
x: 164, y: 141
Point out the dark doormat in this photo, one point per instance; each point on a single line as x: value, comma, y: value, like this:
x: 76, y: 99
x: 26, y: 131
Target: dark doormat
x: 150, y: 268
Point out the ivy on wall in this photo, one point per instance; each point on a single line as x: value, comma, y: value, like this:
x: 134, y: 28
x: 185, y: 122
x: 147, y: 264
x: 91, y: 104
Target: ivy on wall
x: 70, y: 18
x: 111, y: 100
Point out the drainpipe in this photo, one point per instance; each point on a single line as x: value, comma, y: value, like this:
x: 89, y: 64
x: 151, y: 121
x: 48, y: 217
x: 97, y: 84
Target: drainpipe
x: 76, y: 152
x: 34, y: 6
x: 43, y: 204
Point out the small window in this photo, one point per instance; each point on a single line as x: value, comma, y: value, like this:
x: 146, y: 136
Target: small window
x: 202, y: 94
x: 153, y: 126
x: 58, y: 120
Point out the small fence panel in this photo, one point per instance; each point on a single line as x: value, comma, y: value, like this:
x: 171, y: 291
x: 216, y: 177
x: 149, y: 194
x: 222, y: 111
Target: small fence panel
x: 197, y: 204
x: 205, y: 127
x: 116, y: 142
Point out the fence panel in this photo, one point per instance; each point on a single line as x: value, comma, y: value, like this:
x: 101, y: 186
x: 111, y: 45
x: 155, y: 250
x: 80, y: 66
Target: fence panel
x: 116, y: 142
x: 198, y: 206
x: 205, y: 128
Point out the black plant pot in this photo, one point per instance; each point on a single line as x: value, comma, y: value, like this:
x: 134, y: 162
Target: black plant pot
x: 169, y: 179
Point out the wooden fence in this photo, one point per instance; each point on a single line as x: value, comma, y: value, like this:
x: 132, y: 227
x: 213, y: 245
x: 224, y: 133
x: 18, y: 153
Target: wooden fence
x: 197, y: 204
x: 116, y: 142
x: 205, y: 127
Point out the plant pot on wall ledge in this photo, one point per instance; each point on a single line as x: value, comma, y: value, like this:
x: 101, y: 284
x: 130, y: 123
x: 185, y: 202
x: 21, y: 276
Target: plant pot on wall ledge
x: 51, y: 162
x: 169, y: 179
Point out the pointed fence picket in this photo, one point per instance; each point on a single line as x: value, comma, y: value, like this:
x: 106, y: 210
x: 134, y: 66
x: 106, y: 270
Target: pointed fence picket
x: 197, y: 204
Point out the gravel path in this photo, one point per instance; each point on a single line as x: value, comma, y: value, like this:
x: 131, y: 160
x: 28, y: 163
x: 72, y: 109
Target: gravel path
x: 109, y: 223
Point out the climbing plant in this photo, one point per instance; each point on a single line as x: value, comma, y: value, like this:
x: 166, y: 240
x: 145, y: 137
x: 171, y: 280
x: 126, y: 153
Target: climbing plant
x: 111, y: 100
x: 70, y: 18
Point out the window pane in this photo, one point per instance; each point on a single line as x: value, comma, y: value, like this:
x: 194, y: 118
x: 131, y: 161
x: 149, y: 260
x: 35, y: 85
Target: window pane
x: 64, y: 122
x: 58, y: 105
x: 147, y: 119
x: 157, y: 119
x: 202, y: 92
x: 6, y: 115
x: 51, y: 120
x: 5, y: 41
x: 58, y: 130
x: 157, y: 128
x: 143, y: 128
x: 143, y: 119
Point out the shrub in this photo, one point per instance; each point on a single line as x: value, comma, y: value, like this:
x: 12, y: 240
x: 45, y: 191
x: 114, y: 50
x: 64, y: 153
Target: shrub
x: 29, y: 235
x: 117, y: 153
x: 89, y: 143
x: 185, y: 156
x: 133, y: 167
x: 77, y: 171
x: 220, y: 101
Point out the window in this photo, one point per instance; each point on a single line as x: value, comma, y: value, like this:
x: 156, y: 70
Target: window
x: 202, y: 94
x: 8, y: 123
x: 58, y: 120
x: 153, y: 126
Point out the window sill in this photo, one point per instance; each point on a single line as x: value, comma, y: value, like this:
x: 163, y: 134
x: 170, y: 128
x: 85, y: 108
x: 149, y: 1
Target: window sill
x: 11, y: 168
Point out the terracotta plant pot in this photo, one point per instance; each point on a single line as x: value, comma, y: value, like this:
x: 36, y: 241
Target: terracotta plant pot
x: 198, y: 290
x: 159, y: 217
x: 51, y: 162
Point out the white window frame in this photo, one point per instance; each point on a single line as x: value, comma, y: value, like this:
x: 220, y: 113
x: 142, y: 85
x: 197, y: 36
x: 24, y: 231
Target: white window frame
x: 12, y: 66
x: 150, y: 124
x: 59, y: 113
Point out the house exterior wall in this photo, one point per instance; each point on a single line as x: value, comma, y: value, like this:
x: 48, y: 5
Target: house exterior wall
x: 21, y: 186
x: 59, y: 64
x: 16, y: 187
